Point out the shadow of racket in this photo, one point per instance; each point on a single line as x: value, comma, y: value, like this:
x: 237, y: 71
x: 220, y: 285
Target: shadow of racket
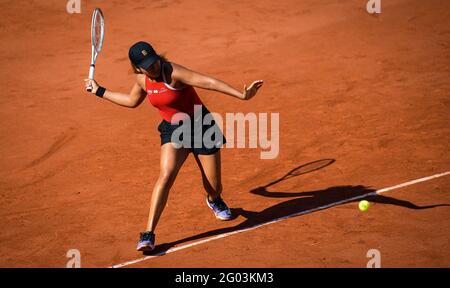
x: 303, y: 169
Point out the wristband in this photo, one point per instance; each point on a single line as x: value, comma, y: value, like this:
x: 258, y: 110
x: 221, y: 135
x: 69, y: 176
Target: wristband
x: 100, y: 91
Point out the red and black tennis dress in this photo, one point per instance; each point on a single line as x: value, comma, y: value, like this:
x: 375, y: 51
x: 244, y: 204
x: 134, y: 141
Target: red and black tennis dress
x: 176, y: 105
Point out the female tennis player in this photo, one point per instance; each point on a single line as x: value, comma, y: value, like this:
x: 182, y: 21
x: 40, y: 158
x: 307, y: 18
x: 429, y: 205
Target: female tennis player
x: 170, y: 88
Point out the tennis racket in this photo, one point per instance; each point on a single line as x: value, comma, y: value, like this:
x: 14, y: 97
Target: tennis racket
x: 97, y: 37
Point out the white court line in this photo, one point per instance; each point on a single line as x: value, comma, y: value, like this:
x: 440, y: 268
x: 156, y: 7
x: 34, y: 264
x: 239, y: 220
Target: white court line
x: 174, y: 249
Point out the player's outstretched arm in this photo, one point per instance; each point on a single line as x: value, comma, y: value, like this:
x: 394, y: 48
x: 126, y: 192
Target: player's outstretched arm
x: 196, y: 79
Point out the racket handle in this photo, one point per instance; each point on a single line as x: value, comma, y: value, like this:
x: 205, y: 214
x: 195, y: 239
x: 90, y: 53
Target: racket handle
x: 91, y: 76
x: 91, y: 71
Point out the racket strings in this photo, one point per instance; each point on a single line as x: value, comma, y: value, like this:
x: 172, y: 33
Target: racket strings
x: 97, y: 30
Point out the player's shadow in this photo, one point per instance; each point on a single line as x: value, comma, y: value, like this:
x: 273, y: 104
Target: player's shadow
x: 304, y: 202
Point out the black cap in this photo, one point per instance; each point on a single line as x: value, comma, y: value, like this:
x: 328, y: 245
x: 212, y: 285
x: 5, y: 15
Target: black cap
x: 142, y: 55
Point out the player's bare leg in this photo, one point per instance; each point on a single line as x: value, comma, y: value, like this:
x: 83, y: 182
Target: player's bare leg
x: 171, y: 161
x: 210, y: 167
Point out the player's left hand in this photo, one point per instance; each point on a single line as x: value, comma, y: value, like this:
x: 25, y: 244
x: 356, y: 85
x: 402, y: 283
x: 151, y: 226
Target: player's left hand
x: 250, y: 92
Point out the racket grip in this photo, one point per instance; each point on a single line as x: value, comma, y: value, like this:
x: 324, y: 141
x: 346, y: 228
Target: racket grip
x: 91, y: 76
x: 91, y: 71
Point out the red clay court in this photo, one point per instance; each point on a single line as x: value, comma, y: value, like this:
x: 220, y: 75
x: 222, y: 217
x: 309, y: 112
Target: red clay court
x: 367, y: 94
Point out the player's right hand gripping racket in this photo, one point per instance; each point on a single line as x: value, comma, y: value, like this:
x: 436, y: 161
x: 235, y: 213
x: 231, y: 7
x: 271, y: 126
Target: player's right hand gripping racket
x: 97, y: 36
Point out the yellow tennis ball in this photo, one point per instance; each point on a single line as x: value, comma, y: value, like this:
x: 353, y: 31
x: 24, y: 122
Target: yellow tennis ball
x: 364, y: 205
